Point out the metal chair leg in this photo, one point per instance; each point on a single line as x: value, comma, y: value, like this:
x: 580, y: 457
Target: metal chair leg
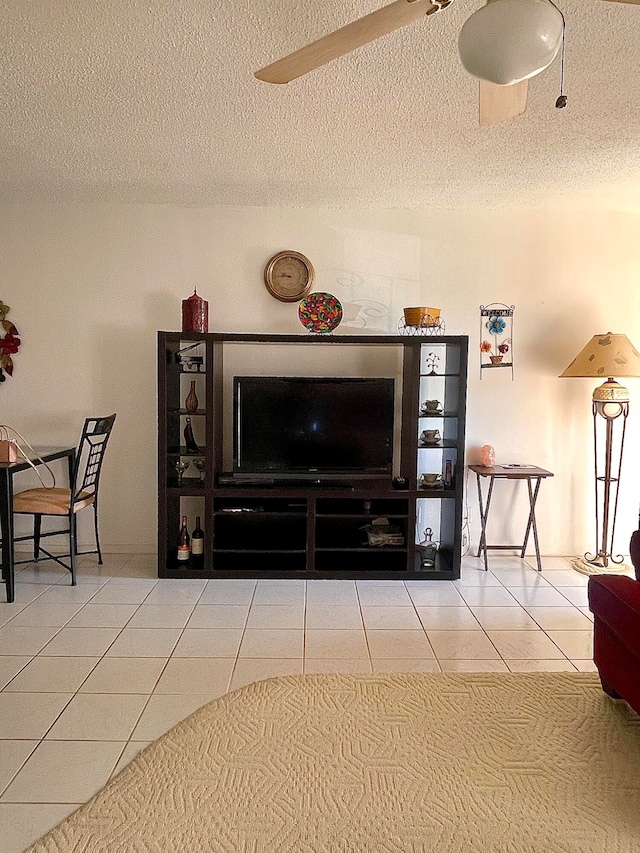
x: 95, y: 527
x: 73, y: 546
x: 37, y: 527
x: 75, y: 535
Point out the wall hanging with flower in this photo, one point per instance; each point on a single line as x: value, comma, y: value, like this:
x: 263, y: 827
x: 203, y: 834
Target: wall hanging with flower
x: 496, y: 336
x: 9, y: 342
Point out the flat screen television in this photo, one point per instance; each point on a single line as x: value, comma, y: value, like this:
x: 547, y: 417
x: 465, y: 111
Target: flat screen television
x: 312, y: 428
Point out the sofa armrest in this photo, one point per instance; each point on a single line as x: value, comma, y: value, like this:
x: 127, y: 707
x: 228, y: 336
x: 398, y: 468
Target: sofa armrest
x: 634, y: 550
x: 620, y: 586
x: 615, y: 599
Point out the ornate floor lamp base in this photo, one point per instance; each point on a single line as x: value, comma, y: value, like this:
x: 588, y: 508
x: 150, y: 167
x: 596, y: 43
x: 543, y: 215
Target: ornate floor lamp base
x: 597, y: 567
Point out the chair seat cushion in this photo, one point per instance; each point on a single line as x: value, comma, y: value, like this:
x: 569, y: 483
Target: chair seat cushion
x: 49, y: 501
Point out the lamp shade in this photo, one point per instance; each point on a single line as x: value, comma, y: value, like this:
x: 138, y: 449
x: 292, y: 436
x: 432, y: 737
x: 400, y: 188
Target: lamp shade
x: 606, y: 356
x: 507, y: 41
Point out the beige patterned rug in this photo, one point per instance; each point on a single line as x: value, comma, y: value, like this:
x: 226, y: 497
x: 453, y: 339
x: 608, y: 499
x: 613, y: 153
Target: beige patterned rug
x: 537, y: 762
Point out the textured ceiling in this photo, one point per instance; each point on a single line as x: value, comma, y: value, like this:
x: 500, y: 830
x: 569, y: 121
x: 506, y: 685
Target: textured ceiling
x: 155, y: 101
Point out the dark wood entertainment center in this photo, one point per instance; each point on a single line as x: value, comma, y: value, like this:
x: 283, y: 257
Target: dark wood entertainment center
x: 300, y: 530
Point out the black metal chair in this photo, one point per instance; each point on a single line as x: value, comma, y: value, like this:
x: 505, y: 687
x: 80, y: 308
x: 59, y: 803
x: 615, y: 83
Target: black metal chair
x: 83, y: 492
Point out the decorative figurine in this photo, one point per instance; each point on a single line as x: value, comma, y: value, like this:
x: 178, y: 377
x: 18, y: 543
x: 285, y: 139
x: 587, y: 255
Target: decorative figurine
x: 428, y: 549
x: 190, y: 363
x: 191, y: 403
x: 431, y: 361
x: 189, y: 440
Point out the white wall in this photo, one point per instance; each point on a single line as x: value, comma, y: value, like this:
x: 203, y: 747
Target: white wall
x: 90, y: 285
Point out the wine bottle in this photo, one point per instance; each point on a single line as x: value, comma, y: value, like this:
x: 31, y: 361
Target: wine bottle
x: 184, y: 542
x: 197, y: 545
x: 189, y: 440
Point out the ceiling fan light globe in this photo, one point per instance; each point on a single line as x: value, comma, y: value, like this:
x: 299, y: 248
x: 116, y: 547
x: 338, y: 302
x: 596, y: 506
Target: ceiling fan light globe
x: 507, y: 41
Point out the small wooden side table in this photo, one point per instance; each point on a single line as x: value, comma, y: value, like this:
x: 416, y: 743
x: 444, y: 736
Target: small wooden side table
x: 509, y: 472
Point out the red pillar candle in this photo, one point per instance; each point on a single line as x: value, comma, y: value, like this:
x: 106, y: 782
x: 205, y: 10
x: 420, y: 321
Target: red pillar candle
x: 195, y: 314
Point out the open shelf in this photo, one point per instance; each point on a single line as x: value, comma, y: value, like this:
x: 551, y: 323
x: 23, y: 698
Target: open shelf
x: 261, y: 563
x: 256, y: 531
x: 444, y: 443
x: 444, y: 565
x: 386, y: 560
x: 338, y: 534
x: 362, y: 507
x: 262, y: 506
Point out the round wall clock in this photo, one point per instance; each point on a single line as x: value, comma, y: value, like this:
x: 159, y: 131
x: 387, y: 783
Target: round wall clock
x: 289, y: 276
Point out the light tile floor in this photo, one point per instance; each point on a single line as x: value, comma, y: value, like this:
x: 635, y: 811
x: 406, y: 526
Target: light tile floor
x: 91, y: 674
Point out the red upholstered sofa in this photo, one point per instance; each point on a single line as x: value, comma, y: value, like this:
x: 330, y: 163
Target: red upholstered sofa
x: 614, y: 601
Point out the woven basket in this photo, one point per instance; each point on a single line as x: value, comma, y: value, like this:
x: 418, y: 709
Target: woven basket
x: 421, y: 316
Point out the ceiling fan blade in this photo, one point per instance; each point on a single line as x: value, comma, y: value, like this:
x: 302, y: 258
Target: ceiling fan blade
x: 346, y: 39
x: 498, y: 103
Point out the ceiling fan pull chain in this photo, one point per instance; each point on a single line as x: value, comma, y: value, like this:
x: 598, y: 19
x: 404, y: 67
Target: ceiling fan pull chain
x: 561, y: 101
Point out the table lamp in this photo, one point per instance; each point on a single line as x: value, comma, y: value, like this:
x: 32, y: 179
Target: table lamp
x: 606, y: 356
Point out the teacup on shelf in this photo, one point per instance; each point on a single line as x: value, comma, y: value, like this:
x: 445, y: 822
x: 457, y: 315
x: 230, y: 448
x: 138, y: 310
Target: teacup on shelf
x: 431, y: 407
x: 431, y: 481
x: 430, y: 436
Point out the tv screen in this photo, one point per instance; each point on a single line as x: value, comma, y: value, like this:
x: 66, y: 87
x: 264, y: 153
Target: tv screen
x: 297, y: 427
